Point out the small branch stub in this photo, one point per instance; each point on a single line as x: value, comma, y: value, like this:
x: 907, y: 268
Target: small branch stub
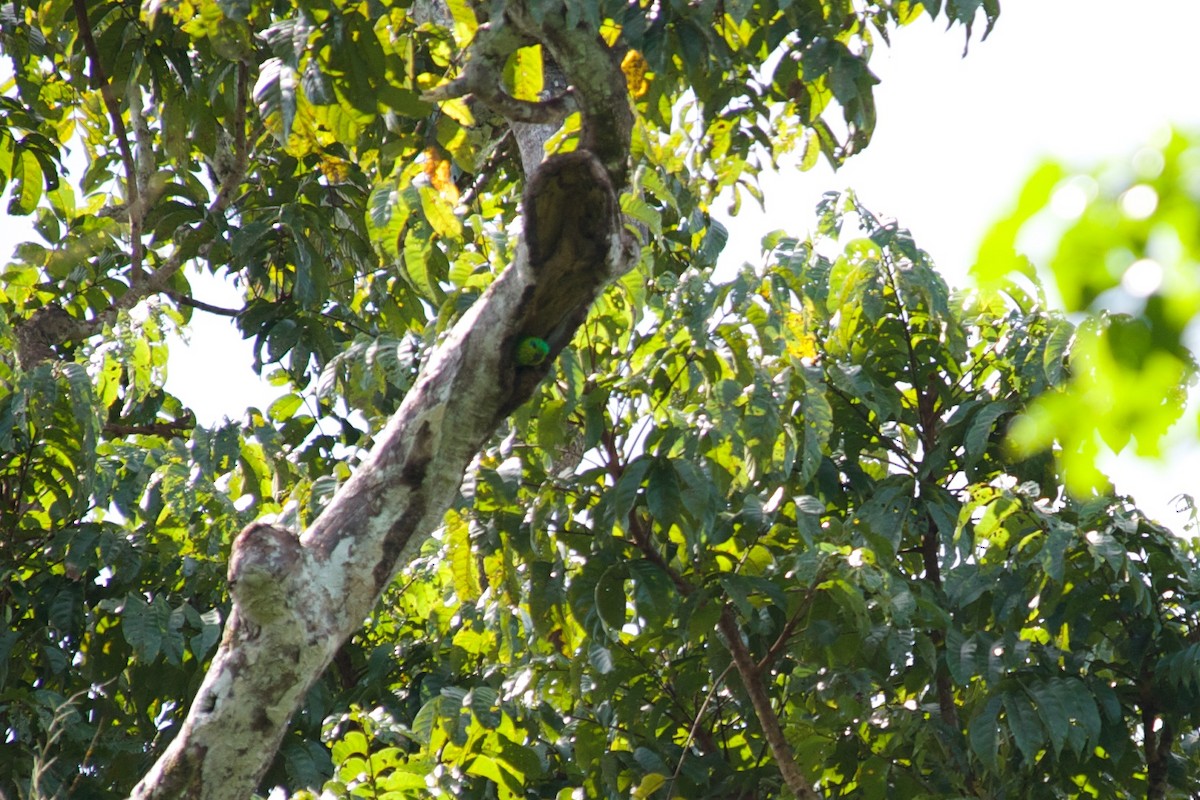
x: 262, y: 567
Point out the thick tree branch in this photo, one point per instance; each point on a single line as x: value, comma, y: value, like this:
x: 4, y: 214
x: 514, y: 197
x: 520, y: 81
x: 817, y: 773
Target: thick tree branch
x: 297, y: 600
x: 479, y: 81
x: 480, y: 78
x: 165, y: 429
x: 596, y: 80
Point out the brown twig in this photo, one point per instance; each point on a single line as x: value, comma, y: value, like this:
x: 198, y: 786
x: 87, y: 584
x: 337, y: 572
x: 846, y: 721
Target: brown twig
x: 157, y: 282
x: 132, y: 194
x: 231, y: 180
x: 200, y: 305
x: 168, y: 430
x: 768, y: 720
x: 695, y: 728
x: 789, y: 629
x: 748, y: 669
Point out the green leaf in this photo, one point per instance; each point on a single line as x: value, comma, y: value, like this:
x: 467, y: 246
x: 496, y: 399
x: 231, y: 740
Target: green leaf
x: 486, y: 767
x: 600, y: 657
x: 462, y: 560
x: 663, y: 492
x: 27, y: 177
x: 1082, y: 708
x: 621, y: 501
x: 960, y: 656
x: 419, y: 258
x: 275, y: 95
x: 485, y: 705
x: 1054, y: 357
x: 1024, y: 724
x: 427, y: 718
x: 818, y: 422
x: 285, y: 407
x: 650, y: 784
x: 611, y: 600
x: 982, y: 732
x: 1053, y: 706
x: 142, y: 628
x: 353, y: 743
x: 979, y: 431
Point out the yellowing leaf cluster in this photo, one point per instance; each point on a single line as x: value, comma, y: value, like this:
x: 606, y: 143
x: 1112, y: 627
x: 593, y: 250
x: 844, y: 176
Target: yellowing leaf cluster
x: 437, y: 170
x: 636, y: 70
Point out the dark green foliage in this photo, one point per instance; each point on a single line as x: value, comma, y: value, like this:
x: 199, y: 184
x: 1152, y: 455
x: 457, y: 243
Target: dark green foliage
x: 810, y: 453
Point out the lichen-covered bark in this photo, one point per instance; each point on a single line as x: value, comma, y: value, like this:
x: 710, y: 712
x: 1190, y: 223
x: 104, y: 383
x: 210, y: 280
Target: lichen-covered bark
x: 296, y: 600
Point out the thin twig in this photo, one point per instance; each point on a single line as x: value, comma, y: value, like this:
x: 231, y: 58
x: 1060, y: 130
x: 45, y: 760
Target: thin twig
x: 191, y: 302
x: 720, y: 681
x: 789, y: 629
x: 132, y: 195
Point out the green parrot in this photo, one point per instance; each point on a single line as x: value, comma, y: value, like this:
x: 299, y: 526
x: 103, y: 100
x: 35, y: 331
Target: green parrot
x: 532, y: 350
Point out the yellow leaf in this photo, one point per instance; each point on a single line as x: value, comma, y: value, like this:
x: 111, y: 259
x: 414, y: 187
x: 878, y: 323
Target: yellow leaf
x: 610, y: 32
x: 812, y: 149
x: 335, y: 170
x: 634, y: 66
x: 465, y: 22
x: 437, y: 170
x: 649, y: 785
x: 524, y: 73
x: 907, y: 11
x: 462, y: 561
x: 801, y: 344
x: 456, y: 108
x: 440, y: 213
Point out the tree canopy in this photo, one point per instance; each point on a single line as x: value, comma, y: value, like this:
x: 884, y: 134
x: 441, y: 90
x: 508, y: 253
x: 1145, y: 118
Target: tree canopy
x: 749, y: 535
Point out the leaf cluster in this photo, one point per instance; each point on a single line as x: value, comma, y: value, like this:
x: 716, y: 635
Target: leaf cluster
x: 815, y: 450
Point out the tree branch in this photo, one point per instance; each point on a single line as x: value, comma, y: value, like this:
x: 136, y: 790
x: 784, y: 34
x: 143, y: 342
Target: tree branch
x: 596, y: 80
x: 479, y: 81
x: 132, y: 194
x: 297, y: 600
x: 200, y: 305
x: 52, y: 326
x: 232, y: 179
x: 751, y: 677
x: 167, y: 430
x: 789, y: 629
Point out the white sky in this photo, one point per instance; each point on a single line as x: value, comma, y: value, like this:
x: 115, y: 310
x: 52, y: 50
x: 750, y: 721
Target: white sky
x: 1080, y: 80
x: 1077, y: 80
